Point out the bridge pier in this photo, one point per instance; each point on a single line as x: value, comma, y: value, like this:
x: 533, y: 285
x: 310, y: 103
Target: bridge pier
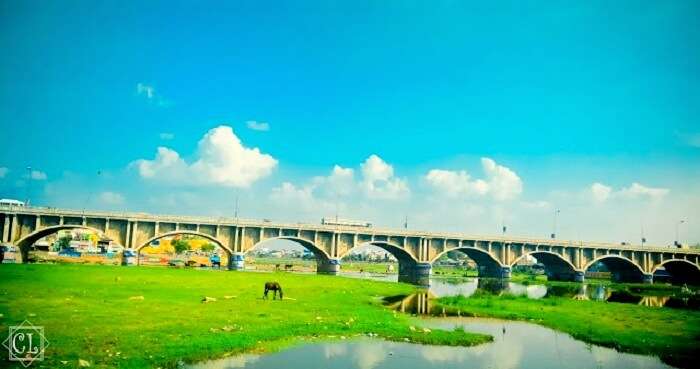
x: 648, y: 278
x: 329, y: 266
x: 503, y: 272
x: 418, y: 273
x: 236, y: 261
x: 579, y: 276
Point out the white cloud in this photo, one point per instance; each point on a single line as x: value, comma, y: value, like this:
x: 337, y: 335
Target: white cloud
x: 636, y: 191
x: 501, y: 182
x: 111, y: 198
x: 288, y: 192
x: 222, y: 160
x: 37, y: 175
x: 258, y: 126
x: 379, y: 181
x: 3, y: 172
x: 600, y: 192
x: 504, y: 184
x: 455, y: 184
x: 145, y: 90
x: 167, y: 165
x: 166, y: 136
x: 149, y: 93
x: 341, y: 182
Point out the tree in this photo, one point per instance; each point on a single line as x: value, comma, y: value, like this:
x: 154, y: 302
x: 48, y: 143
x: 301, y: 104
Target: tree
x: 209, y: 247
x: 180, y: 246
x: 64, y: 242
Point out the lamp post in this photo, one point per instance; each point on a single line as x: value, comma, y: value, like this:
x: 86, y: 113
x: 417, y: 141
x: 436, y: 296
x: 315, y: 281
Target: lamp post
x: 87, y: 200
x: 29, y: 184
x: 554, y: 227
x: 677, y: 241
x: 235, y: 211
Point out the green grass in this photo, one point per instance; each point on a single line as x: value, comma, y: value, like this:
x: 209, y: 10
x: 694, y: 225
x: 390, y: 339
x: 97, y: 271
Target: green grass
x: 87, y: 313
x: 673, y: 335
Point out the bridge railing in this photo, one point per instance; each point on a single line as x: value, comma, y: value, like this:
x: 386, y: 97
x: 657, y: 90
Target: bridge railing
x: 139, y: 216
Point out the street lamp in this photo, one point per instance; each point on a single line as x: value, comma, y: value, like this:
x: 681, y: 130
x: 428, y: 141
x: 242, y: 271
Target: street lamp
x: 235, y: 214
x: 87, y: 200
x: 29, y: 183
x: 554, y: 228
x: 677, y: 241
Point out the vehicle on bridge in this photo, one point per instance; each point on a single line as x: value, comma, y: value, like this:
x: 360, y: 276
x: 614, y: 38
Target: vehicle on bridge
x: 345, y: 222
x: 12, y: 203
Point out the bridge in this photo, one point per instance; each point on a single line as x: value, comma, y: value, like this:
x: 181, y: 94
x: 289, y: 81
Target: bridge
x: 415, y: 251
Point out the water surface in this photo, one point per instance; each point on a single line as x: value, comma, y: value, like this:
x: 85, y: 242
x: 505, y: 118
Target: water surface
x: 516, y: 345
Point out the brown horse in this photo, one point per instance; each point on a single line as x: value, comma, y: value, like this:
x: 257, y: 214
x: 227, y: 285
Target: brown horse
x: 274, y: 287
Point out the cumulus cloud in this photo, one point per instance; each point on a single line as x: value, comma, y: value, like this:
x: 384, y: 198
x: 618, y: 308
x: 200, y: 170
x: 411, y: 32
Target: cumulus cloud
x: 222, y: 160
x: 504, y: 184
x: 258, y: 126
x: 3, y: 172
x: 379, y: 181
x: 166, y: 136
x: 341, y: 182
x: 455, y: 184
x: 111, y: 198
x: 501, y: 182
x: 600, y: 192
x: 636, y: 191
x: 287, y: 192
x: 321, y: 195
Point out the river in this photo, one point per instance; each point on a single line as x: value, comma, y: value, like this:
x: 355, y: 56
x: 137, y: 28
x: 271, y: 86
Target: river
x: 516, y: 345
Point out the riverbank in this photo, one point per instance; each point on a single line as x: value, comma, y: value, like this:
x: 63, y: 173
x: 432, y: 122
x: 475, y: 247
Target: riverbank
x: 135, y: 317
x: 671, y: 334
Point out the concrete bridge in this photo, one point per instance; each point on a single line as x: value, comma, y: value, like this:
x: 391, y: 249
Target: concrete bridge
x: 415, y: 250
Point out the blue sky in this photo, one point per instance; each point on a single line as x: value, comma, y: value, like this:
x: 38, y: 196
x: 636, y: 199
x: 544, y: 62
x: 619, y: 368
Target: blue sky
x: 563, y: 96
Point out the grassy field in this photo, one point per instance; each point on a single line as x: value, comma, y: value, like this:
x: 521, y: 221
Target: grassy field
x: 672, y: 334
x: 134, y: 317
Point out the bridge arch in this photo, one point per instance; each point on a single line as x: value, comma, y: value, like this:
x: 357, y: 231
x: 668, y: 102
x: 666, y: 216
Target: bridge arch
x: 621, y: 268
x: 407, y: 262
x: 325, y: 264
x: 185, y: 232
x: 27, y: 241
x: 401, y: 254
x: 318, y: 252
x: 681, y: 271
x: 556, y: 266
x: 488, y: 265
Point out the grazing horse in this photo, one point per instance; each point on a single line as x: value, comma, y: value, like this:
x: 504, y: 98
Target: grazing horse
x: 288, y: 267
x: 274, y: 287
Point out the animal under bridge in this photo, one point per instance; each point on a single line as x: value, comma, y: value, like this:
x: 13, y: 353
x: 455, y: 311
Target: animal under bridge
x: 415, y: 250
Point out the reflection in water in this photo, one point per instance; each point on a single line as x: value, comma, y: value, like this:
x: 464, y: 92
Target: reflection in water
x: 516, y: 345
x: 440, y: 287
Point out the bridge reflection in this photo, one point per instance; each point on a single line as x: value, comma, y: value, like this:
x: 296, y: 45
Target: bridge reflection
x: 423, y: 302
